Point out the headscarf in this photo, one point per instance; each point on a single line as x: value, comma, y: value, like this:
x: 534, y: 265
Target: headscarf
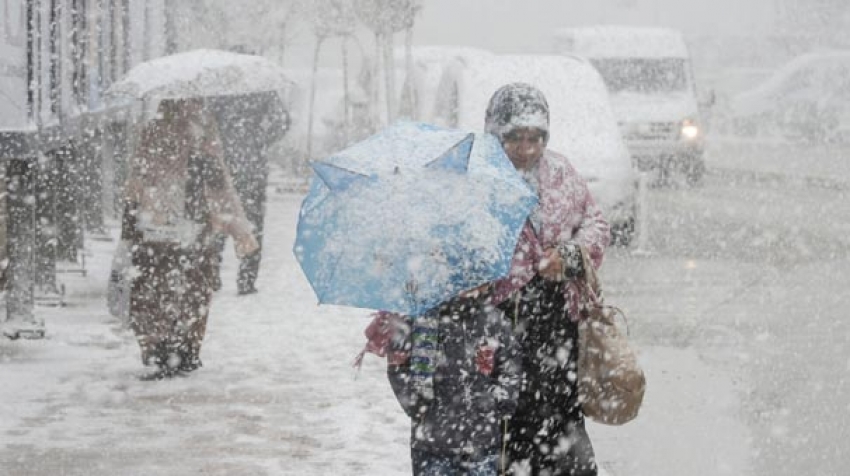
x: 515, y: 106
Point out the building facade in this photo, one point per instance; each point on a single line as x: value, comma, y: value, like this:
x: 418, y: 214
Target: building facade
x: 59, y: 137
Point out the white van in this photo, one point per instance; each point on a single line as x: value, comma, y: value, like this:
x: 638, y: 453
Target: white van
x: 582, y: 124
x: 649, y: 76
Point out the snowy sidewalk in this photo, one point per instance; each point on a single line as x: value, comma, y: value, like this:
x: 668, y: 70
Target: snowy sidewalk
x: 277, y: 394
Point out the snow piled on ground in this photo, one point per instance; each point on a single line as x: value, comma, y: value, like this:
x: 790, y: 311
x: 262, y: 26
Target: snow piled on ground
x: 277, y: 394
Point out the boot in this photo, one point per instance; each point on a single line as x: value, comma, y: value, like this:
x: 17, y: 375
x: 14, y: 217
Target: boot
x: 160, y: 358
x: 189, y: 362
x: 161, y: 373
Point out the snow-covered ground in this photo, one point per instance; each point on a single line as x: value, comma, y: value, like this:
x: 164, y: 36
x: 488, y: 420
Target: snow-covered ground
x: 711, y: 309
x: 277, y: 394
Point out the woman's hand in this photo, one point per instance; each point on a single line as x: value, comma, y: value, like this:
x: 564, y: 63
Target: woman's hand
x: 246, y: 245
x: 551, y: 266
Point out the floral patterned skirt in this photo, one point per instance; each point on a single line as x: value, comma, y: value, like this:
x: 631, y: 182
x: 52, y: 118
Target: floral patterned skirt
x: 170, y: 300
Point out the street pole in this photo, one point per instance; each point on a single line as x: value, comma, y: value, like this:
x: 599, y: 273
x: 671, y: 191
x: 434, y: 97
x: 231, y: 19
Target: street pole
x: 20, y: 202
x: 170, y: 27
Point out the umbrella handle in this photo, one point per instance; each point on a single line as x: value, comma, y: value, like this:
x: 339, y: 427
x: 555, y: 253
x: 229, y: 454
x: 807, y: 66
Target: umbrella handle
x: 504, y: 458
x: 411, y: 287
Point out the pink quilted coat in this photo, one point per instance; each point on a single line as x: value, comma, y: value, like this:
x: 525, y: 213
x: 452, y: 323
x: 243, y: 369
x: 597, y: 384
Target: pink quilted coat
x: 567, y: 212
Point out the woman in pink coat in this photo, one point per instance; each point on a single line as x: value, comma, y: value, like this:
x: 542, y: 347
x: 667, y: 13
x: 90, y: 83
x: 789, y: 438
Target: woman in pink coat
x: 546, y: 434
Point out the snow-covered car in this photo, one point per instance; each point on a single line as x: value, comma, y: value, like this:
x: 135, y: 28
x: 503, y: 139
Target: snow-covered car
x: 582, y: 122
x: 807, y: 99
x: 648, y: 75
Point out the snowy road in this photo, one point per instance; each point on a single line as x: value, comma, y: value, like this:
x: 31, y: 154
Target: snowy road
x: 762, y: 251
x: 737, y: 313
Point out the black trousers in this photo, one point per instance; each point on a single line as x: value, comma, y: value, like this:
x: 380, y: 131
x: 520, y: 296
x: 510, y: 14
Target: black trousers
x: 546, y: 435
x: 251, y: 188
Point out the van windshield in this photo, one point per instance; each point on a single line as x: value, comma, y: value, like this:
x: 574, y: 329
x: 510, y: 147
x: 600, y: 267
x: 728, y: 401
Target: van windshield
x: 643, y: 75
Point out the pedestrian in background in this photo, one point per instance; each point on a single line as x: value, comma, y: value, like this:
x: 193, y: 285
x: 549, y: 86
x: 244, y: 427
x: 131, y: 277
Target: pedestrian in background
x: 546, y: 435
x: 177, y: 197
x: 249, y: 124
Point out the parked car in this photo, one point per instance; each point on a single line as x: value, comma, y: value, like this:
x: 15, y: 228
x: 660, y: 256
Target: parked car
x: 419, y: 88
x: 648, y: 74
x: 582, y: 122
x: 807, y: 99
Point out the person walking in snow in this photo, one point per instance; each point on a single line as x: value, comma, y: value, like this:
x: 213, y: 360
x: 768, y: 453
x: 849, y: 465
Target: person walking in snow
x: 249, y: 124
x: 177, y: 196
x: 546, y: 434
x: 455, y: 373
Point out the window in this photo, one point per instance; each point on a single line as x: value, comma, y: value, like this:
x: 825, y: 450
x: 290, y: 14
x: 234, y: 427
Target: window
x: 643, y: 75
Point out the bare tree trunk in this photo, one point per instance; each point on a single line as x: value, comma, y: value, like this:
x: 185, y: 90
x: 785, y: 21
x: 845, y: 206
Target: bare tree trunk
x: 408, y: 67
x: 146, y: 42
x: 311, y: 111
x: 389, y: 72
x: 282, y: 44
x: 20, y: 248
x: 376, y: 82
x: 226, y: 33
x: 170, y: 27
x: 346, y: 94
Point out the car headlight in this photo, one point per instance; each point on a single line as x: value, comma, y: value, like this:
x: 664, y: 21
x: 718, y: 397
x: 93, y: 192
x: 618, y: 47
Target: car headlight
x: 689, y: 130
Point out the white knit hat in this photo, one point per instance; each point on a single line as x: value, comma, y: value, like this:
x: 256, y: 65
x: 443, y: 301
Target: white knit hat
x: 514, y: 106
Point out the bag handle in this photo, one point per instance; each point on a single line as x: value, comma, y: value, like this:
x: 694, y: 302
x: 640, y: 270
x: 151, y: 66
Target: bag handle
x: 591, y: 289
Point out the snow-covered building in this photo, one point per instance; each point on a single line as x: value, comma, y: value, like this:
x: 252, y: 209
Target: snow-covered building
x: 57, y: 57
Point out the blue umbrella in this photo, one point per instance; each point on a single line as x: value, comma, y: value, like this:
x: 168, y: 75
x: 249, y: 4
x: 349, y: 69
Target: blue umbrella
x: 409, y: 217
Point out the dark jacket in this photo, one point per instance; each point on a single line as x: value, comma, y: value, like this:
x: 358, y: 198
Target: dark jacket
x: 465, y: 416
x: 249, y: 124
x: 548, y: 413
x: 549, y: 342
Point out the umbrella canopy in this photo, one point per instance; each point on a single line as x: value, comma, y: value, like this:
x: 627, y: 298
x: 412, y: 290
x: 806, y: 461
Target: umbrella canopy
x: 200, y: 73
x: 410, y: 217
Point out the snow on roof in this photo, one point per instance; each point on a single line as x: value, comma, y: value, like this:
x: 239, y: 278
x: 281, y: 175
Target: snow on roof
x: 201, y: 72
x: 582, y: 122
x: 440, y: 53
x: 611, y: 41
x: 428, y: 65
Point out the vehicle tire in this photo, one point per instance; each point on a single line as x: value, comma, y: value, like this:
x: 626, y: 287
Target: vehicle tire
x: 623, y: 232
x: 664, y: 171
x: 694, y: 170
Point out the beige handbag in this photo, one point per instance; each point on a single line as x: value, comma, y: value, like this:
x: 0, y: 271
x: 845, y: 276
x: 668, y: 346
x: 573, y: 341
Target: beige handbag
x: 611, y: 383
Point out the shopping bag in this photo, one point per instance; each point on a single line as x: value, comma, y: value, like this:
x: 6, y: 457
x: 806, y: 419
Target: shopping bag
x: 611, y: 383
x: 120, y: 282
